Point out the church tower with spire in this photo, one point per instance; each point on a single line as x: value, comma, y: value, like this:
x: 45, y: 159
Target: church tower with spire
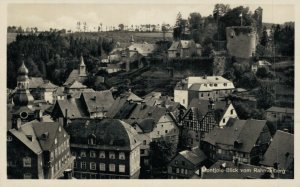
x: 82, y: 68
x: 22, y: 110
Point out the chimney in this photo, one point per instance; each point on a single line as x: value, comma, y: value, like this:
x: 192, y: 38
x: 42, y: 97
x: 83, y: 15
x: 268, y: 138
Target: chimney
x: 68, y: 174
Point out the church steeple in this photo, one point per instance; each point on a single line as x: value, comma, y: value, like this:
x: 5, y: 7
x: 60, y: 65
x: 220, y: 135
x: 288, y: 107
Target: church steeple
x: 22, y: 96
x: 82, y: 67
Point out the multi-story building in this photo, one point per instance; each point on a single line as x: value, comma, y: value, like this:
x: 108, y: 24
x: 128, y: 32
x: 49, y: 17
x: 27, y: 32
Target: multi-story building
x: 38, y: 150
x: 184, y: 49
x: 186, y: 163
x: 279, y: 114
x: 201, y: 87
x: 107, y: 149
x: 202, y: 116
x: 244, y: 141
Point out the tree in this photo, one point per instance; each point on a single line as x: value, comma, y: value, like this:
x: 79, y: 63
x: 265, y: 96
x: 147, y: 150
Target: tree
x: 262, y: 72
x: 161, y: 153
x: 194, y: 21
x: 264, y: 38
x: 108, y: 45
x: 121, y: 27
x: 220, y: 10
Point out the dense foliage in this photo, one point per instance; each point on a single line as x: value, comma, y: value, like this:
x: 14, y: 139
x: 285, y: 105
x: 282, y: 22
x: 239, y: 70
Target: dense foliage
x: 53, y: 55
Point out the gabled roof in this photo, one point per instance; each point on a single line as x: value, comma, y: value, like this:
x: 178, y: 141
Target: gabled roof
x: 174, y: 46
x: 51, y: 128
x: 35, y: 82
x: 280, y: 110
x: 48, y: 85
x: 147, y: 125
x: 195, y: 156
x: 110, y: 133
x: 76, y: 84
x: 281, y: 151
x: 246, y: 132
x: 143, y: 49
x: 98, y: 100
x: 73, y: 106
x: 22, y: 133
x: 72, y: 77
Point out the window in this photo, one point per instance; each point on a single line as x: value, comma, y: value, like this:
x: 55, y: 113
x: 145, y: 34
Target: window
x: 92, y: 166
x: 183, y: 101
x: 162, y: 125
x: 208, y: 94
x: 177, y: 170
x: 182, y: 171
x: 166, y: 131
x: 225, y: 84
x: 27, y: 175
x: 59, y: 129
x: 215, y: 85
x: 144, y: 142
x: 27, y: 162
x: 55, y: 152
x: 51, y: 155
x: 185, y: 171
x: 142, y: 151
x: 55, y: 141
x: 9, y: 138
x: 111, y: 155
x: 146, y: 162
x: 231, y: 111
x: 112, y: 167
x: 83, y: 154
x: 183, y: 163
x: 224, y: 120
x: 122, y: 156
x: 157, y: 132
x: 202, y: 95
x: 122, y: 168
x: 74, y: 153
x: 83, y: 165
x: 176, y: 162
x: 102, y: 167
x: 102, y: 154
x: 92, y: 154
x: 91, y: 141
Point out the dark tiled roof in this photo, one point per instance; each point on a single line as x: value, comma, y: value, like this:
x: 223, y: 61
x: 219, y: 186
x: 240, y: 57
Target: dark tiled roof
x: 72, y: 77
x: 147, y: 125
x: 35, y: 82
x: 245, y: 131
x: 48, y: 85
x: 280, y: 110
x: 202, y: 105
x: 281, y: 144
x: 98, y: 100
x: 195, y: 156
x: 109, y: 133
x: 50, y: 128
x: 74, y: 107
x: 248, y: 171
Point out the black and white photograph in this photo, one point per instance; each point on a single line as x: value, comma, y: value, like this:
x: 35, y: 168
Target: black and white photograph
x: 149, y: 91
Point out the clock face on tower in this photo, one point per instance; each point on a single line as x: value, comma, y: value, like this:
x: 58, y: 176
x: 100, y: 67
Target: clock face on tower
x: 24, y: 115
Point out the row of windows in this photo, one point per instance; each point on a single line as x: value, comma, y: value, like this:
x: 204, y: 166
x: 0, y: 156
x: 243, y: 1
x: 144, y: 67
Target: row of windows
x: 102, y: 166
x: 60, y: 163
x: 93, y: 154
x: 179, y: 171
x: 60, y: 149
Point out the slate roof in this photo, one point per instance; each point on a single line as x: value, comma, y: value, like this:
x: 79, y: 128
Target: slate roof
x: 147, y: 125
x: 144, y: 49
x: 74, y: 107
x: 281, y: 144
x: 110, y: 133
x: 98, y: 100
x: 245, y: 131
x: 280, y: 110
x: 195, y: 156
x: 72, y: 77
x: 35, y: 82
x: 174, y: 46
x: 48, y: 85
x: 36, y: 129
x: 76, y: 84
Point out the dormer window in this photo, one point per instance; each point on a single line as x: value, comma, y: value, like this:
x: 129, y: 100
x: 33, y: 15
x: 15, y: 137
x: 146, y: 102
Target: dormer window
x: 112, y: 155
x: 102, y: 154
x: 122, y: 156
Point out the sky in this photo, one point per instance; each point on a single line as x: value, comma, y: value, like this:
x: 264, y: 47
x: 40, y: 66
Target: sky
x: 45, y: 16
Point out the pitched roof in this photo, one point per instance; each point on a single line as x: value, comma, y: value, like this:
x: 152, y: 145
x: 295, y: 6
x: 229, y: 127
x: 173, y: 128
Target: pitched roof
x: 143, y: 49
x: 60, y: 91
x: 245, y: 131
x: 73, y: 106
x: 195, y: 156
x: 281, y: 151
x: 147, y: 125
x: 35, y: 82
x: 280, y: 110
x: 72, y: 77
x: 76, y: 84
x: 174, y: 46
x: 51, y: 128
x: 109, y: 133
x: 48, y: 85
x: 98, y: 100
